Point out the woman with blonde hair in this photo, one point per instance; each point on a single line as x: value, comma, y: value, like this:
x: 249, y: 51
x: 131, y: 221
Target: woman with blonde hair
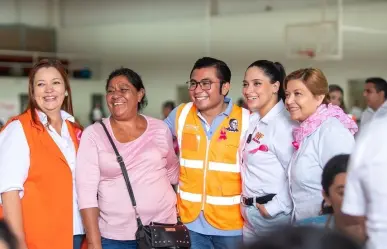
x: 323, y: 131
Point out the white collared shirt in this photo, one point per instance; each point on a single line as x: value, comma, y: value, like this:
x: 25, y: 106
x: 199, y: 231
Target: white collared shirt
x: 366, y: 187
x: 369, y: 114
x: 14, y: 148
x: 264, y: 171
x: 305, y: 169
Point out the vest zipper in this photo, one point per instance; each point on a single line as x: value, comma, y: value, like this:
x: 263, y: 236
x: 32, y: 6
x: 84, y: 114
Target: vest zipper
x: 205, y: 173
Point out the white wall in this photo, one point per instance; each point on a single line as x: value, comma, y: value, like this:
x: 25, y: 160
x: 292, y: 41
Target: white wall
x: 164, y: 51
x: 29, y: 12
x: 228, y: 36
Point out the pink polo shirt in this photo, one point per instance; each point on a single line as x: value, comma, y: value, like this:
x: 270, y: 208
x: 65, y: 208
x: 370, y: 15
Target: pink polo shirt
x: 152, y: 167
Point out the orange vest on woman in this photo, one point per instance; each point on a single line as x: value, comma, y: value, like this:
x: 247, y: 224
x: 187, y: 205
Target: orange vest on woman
x: 47, y: 204
x: 210, y: 179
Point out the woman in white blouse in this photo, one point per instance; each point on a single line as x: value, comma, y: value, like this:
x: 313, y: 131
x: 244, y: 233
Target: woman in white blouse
x: 267, y: 151
x: 324, y: 131
x: 37, y: 165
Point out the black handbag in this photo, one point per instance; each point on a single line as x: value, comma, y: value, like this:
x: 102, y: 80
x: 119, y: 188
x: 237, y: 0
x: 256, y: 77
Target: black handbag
x: 155, y: 235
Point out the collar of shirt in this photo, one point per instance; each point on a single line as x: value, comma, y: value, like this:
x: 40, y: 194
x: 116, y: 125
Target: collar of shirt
x: 279, y: 107
x: 384, y: 106
x: 65, y: 116
x: 217, y: 120
x: 226, y: 112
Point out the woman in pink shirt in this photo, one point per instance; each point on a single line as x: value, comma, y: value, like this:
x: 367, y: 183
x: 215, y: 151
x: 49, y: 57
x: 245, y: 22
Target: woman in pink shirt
x: 146, y: 146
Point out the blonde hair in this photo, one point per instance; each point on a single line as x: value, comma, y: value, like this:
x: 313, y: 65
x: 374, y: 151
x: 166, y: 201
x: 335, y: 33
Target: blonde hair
x: 314, y: 79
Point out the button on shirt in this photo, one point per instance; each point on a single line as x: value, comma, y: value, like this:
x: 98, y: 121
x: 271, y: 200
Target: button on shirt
x: 305, y: 169
x: 366, y: 186
x: 15, y: 149
x: 200, y: 225
x: 266, y: 158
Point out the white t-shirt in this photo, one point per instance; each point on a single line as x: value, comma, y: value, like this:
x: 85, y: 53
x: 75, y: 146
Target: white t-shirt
x: 366, y: 187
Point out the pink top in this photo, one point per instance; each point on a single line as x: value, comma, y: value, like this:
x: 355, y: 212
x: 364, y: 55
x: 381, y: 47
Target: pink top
x: 152, y: 167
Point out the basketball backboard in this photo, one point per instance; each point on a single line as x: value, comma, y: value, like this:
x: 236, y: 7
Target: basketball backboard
x: 313, y: 40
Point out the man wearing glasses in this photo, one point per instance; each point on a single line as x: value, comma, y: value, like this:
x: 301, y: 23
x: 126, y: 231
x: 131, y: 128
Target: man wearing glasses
x: 210, y: 183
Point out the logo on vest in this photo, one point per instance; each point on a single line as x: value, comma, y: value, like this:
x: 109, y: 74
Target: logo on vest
x: 232, y: 125
x: 222, y: 135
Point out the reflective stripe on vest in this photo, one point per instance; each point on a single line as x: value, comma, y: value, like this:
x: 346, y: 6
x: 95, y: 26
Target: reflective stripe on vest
x: 214, y: 200
x: 181, y: 121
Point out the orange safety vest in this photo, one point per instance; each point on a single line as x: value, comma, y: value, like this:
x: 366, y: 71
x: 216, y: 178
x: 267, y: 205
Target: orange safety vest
x: 47, y: 204
x: 210, y: 178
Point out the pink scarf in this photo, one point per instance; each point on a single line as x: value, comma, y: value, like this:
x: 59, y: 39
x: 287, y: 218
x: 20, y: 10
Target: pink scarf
x: 314, y: 121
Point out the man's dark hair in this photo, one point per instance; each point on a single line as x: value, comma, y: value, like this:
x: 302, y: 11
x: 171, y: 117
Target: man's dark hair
x: 223, y: 72
x: 380, y: 84
x: 169, y: 104
x: 336, y: 165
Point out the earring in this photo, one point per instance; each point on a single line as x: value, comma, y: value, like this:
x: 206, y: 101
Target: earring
x: 66, y: 94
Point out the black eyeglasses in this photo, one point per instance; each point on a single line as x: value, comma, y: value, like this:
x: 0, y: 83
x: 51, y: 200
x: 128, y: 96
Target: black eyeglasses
x: 204, y: 84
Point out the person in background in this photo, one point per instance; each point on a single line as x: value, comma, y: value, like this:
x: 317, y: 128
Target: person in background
x: 242, y: 103
x: 96, y: 113
x: 210, y: 182
x: 145, y: 145
x: 304, y: 238
x: 267, y: 151
x: 375, y: 94
x: 365, y: 195
x: 168, y: 106
x: 333, y: 182
x: 37, y: 164
x: 7, y: 239
x: 324, y: 131
x: 336, y: 96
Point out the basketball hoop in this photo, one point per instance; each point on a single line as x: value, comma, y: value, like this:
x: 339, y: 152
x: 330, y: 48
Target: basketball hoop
x: 307, y: 52
x: 313, y: 41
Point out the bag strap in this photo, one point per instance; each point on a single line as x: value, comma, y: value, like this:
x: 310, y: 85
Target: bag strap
x: 125, y: 174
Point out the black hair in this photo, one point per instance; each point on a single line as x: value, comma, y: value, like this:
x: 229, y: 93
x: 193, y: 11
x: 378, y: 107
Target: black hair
x: 337, y: 88
x: 380, y: 84
x: 223, y: 72
x: 7, y: 236
x: 240, y: 102
x: 304, y: 238
x: 169, y: 104
x: 232, y: 120
x: 336, y: 165
x: 275, y: 71
x: 134, y: 79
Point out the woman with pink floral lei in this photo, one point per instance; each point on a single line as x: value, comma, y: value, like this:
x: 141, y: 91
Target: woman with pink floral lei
x: 324, y: 131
